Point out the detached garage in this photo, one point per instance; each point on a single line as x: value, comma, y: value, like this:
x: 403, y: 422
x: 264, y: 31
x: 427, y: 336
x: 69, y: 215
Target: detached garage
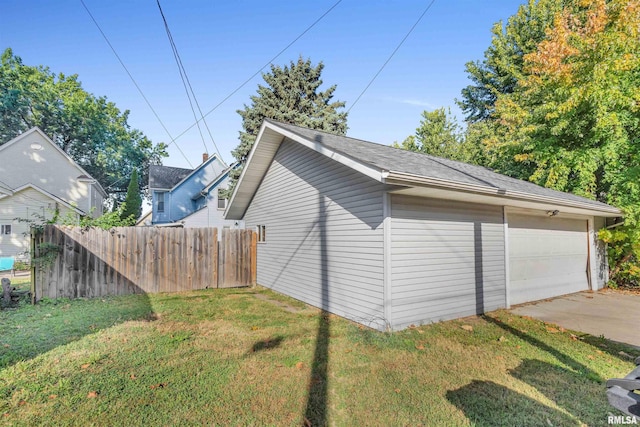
x: 390, y: 238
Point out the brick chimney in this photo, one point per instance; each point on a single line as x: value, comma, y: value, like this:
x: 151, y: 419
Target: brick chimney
x: 205, y: 157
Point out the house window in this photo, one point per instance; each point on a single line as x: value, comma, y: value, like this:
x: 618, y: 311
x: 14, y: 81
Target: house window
x: 222, y: 201
x: 160, y: 201
x: 262, y: 233
x: 5, y: 229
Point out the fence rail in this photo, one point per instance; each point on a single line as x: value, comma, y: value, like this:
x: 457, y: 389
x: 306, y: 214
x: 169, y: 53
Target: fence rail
x: 125, y: 260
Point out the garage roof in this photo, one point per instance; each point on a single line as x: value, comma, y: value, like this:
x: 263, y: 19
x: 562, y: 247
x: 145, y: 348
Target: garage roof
x: 392, y: 166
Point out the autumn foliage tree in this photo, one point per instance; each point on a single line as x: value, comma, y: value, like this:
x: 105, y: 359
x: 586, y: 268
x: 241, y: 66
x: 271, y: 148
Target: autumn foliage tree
x: 574, y: 116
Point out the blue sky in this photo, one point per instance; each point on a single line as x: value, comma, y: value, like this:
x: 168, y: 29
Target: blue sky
x: 224, y: 43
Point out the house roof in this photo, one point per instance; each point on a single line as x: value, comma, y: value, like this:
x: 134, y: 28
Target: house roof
x: 165, y: 177
x: 410, y: 172
x: 83, y: 174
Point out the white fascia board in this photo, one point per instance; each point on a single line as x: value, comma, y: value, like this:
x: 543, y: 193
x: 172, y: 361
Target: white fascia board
x: 318, y: 147
x: 238, y: 212
x: 404, y: 179
x: 268, y: 128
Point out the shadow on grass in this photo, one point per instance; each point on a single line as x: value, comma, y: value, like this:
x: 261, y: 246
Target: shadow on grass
x: 315, y: 413
x: 560, y: 356
x: 486, y: 403
x: 267, y: 344
x: 316, y: 409
x: 619, y: 350
x: 31, y: 330
x: 571, y: 391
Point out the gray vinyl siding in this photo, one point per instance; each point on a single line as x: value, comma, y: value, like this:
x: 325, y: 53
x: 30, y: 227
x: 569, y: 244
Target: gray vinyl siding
x: 324, y: 234
x: 447, y: 260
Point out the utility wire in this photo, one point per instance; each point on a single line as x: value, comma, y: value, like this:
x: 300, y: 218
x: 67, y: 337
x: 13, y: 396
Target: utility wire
x: 183, y: 76
x: 392, y: 54
x: 135, y: 83
x: 261, y: 68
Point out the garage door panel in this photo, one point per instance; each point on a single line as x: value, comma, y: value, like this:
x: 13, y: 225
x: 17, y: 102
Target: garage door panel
x: 547, y: 257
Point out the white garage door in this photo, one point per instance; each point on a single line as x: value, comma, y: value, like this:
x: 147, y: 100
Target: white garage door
x: 547, y: 257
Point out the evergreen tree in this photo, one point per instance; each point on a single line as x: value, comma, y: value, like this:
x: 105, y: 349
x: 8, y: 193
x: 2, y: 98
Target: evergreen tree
x: 133, y: 202
x: 439, y: 134
x: 291, y: 95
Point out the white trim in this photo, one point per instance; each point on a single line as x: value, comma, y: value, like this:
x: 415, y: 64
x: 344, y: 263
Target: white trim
x: 405, y: 179
x: 592, y: 242
x: 332, y: 154
x: 387, y: 301
x: 244, y: 172
x: 202, y: 165
x: 543, y: 213
x: 507, y: 271
x: 51, y: 196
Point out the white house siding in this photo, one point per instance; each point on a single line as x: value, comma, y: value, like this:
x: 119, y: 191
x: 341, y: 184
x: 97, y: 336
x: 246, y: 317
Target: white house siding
x: 324, y: 234
x: 27, y: 204
x: 46, y: 168
x: 447, y: 260
x: 211, y: 216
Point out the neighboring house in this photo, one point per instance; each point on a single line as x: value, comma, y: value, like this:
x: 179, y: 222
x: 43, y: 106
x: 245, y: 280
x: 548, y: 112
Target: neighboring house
x: 37, y: 179
x: 390, y: 238
x: 190, y: 197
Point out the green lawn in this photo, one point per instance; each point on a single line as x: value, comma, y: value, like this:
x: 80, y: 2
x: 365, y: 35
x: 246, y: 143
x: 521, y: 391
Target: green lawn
x: 226, y: 357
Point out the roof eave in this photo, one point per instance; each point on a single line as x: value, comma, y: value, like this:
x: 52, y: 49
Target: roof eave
x: 247, y: 186
x: 404, y: 179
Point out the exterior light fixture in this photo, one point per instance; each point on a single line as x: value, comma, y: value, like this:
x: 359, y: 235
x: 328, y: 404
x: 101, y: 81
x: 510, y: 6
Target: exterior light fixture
x: 553, y: 213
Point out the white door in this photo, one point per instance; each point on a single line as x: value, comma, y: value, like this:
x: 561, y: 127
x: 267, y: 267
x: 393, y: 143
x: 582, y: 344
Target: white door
x: 548, y: 256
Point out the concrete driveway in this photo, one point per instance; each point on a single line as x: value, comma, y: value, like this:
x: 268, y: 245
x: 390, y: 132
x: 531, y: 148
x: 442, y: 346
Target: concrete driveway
x: 615, y: 315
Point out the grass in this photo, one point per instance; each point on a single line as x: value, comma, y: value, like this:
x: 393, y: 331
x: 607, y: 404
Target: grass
x: 225, y: 357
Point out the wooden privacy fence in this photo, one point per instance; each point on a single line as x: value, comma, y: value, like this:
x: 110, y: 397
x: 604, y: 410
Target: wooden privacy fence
x: 81, y: 262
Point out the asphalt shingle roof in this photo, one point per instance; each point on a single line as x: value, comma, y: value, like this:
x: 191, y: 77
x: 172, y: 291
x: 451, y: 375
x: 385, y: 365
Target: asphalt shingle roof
x: 166, y: 176
x: 389, y: 158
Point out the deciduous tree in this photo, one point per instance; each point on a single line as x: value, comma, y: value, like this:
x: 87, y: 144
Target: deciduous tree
x: 575, y: 115
x: 92, y: 130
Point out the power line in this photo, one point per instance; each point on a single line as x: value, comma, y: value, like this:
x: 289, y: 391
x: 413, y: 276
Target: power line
x: 183, y: 74
x: 261, y: 68
x: 134, y: 82
x: 392, y: 54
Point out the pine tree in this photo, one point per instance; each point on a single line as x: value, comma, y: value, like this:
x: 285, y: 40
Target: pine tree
x: 133, y: 202
x: 291, y: 95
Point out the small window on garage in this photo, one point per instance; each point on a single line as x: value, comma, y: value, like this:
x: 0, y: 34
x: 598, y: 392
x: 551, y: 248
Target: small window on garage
x: 262, y: 233
x: 5, y: 229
